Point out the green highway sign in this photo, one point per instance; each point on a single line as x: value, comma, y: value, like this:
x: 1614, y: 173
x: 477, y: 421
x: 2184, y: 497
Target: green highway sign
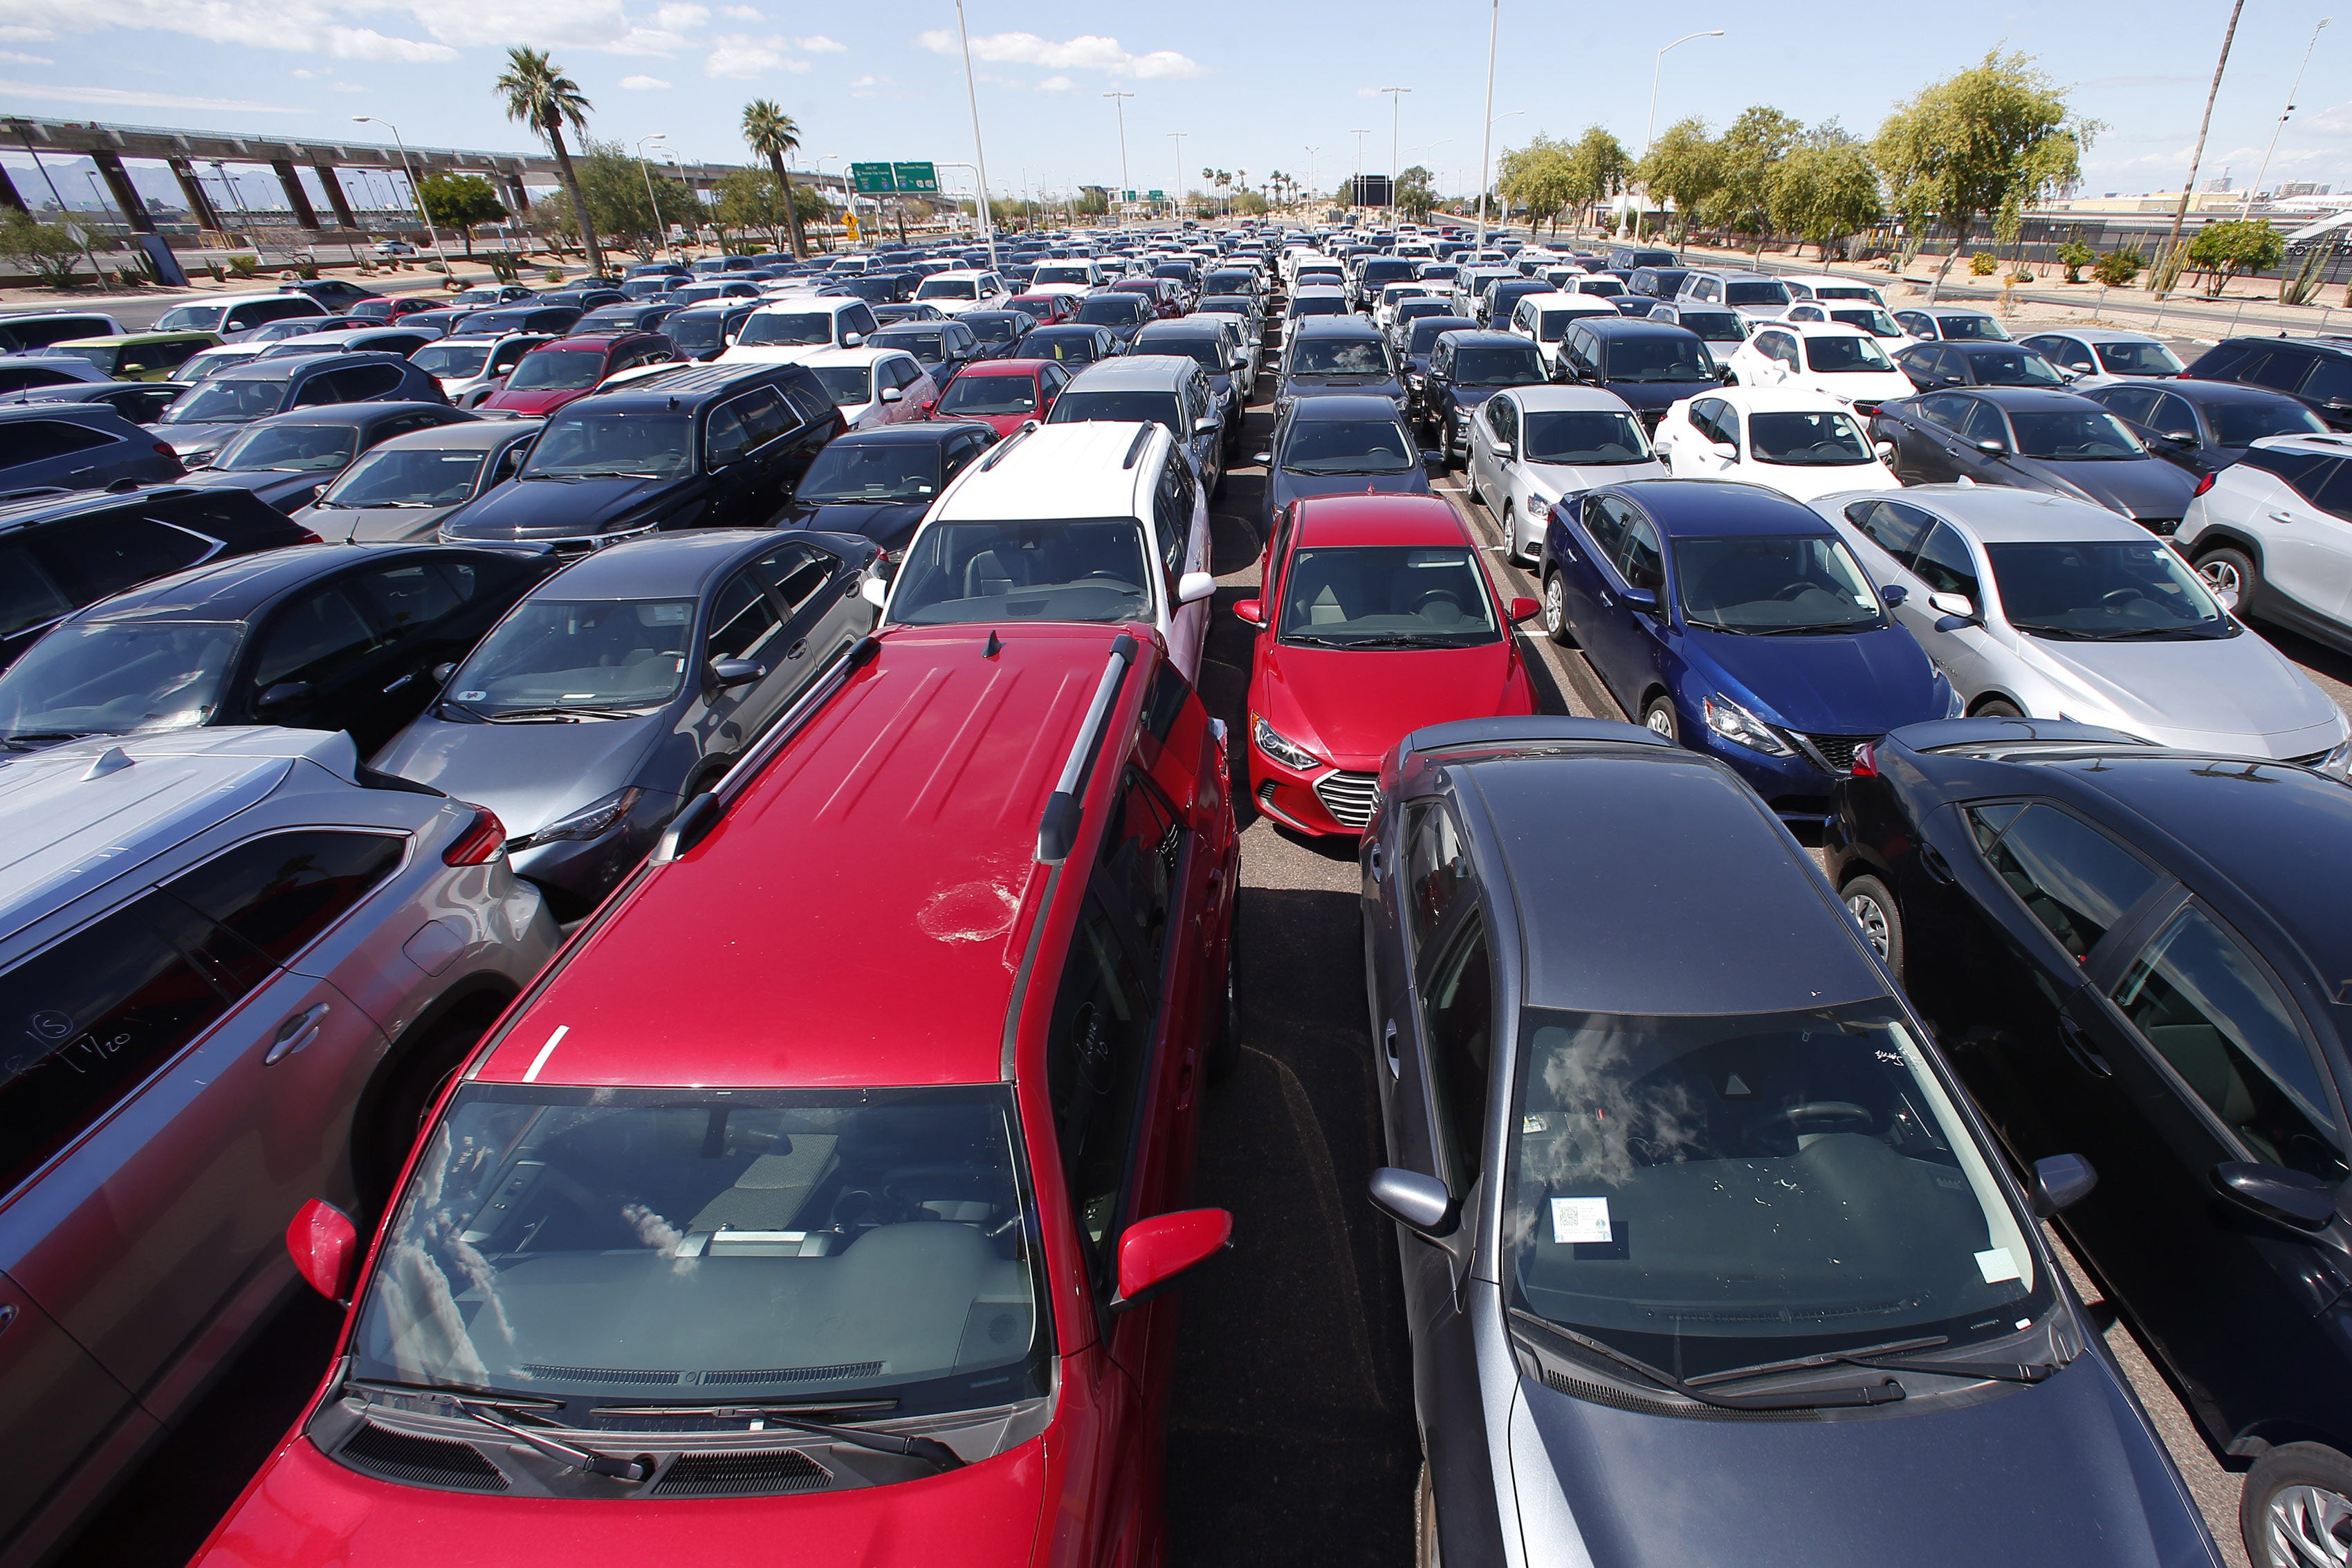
x: 1155, y: 195
x: 872, y: 179
x: 1126, y: 195
x: 920, y: 179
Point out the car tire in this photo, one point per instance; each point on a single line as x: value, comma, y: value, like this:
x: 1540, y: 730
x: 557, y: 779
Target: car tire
x: 1873, y: 908
x: 2228, y: 566
x: 1510, y: 521
x: 1997, y: 707
x: 1457, y: 452
x: 1555, y: 611
x: 2296, y: 1497
x: 398, y: 1114
x: 1425, y: 1522
x: 1659, y: 718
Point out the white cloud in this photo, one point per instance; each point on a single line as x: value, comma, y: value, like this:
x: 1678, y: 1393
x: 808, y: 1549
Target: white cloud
x: 741, y: 13
x: 1089, y: 51
x: 2334, y: 120
x: 302, y: 75
x: 25, y: 35
x: 367, y: 44
x: 1055, y: 84
x: 124, y: 97
x: 741, y: 57
x: 643, y: 84
x: 818, y: 44
x: 349, y: 87
x: 679, y: 18
x: 14, y: 59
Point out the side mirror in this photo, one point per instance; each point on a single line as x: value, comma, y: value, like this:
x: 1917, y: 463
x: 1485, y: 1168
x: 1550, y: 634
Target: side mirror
x: 1894, y: 594
x: 1507, y: 451
x: 1252, y: 611
x: 442, y: 672
x: 894, y: 394
x: 1433, y: 461
x: 851, y: 339
x: 1261, y: 457
x: 2181, y: 437
x: 281, y: 694
x: 1992, y: 448
x: 1194, y: 585
x: 1203, y: 426
x: 1642, y: 599
x: 2290, y: 1198
x: 1153, y: 1252
x: 1525, y: 610
x: 1885, y: 450
x: 2060, y: 1181
x: 2227, y: 598
x: 325, y: 1247
x: 728, y: 673
x: 1725, y: 450
x: 875, y: 591
x: 1419, y: 1203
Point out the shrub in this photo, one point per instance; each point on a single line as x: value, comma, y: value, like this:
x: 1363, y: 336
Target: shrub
x: 220, y: 273
x: 2225, y: 249
x: 244, y: 265
x: 2021, y: 275
x: 2074, y: 256
x: 2119, y: 267
x: 45, y: 250
x: 1982, y: 264
x: 308, y: 272
x: 554, y: 275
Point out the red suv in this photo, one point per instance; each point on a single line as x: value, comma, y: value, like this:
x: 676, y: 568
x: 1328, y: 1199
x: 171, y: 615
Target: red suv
x: 819, y: 1197
x: 569, y: 369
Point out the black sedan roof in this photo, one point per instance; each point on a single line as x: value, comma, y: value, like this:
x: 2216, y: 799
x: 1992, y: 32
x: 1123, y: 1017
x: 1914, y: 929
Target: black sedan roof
x: 913, y: 432
x: 235, y: 589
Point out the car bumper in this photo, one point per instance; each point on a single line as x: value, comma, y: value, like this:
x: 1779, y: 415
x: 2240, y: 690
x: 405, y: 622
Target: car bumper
x: 576, y: 873
x: 1323, y: 801
x: 1798, y: 789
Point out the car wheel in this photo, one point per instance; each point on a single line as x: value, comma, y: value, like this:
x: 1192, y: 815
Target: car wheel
x: 380, y: 1146
x: 1873, y: 910
x: 1997, y: 707
x: 1425, y: 1522
x: 2296, y: 1509
x: 1658, y: 718
x: 1511, y: 533
x: 1555, y: 611
x: 1458, y: 454
x: 2229, y: 569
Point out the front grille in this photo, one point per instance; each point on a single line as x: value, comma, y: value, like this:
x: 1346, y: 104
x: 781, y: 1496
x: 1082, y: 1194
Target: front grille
x: 722, y: 1475
x: 1838, y: 750
x: 1348, y: 797
x: 421, y: 1461
x: 797, y: 1374
x: 2162, y: 528
x: 2314, y: 760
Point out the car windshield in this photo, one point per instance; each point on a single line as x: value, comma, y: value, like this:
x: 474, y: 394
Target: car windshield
x: 191, y: 319
x: 1661, y: 358
x: 1069, y: 347
x: 2108, y: 592
x: 1338, y: 357
x: 1773, y: 585
x: 2014, y: 368
x: 2089, y: 435
x: 1869, y: 318
x: 1762, y: 291
x: 1347, y: 446
x: 557, y: 370
x: 1079, y: 406
x: 228, y: 400
x: 110, y: 677
x: 989, y: 394
x: 1592, y: 436
x: 652, y: 1247
x: 615, y: 653
x: 798, y: 329
x: 2138, y: 359
x: 1386, y: 596
x: 1708, y: 1192
x: 1114, y: 310
x: 1965, y: 329
x: 586, y: 442
x: 1599, y: 288
x: 2243, y: 423
x: 1843, y: 355
x: 1318, y: 305
x: 1711, y: 325
x: 295, y: 448
x: 996, y: 326
x: 948, y: 289
x: 849, y: 386
x: 1050, y: 273
x: 452, y: 361
x: 697, y: 334
x: 957, y: 573
x: 1202, y: 348
x: 923, y: 345
x: 1816, y: 440
x: 399, y: 478
x: 101, y: 356
x: 1498, y: 365
x: 882, y: 471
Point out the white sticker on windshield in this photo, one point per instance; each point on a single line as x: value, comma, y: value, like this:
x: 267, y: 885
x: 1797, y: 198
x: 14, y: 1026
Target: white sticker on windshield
x: 1996, y: 1265
x: 1576, y: 1220
x: 471, y: 697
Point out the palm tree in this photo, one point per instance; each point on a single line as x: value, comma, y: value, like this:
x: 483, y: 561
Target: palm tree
x: 540, y: 95
x: 769, y: 132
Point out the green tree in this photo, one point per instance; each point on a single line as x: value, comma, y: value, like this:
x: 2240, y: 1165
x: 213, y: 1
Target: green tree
x: 615, y: 183
x: 1249, y: 203
x: 749, y: 202
x: 45, y: 250
x: 460, y: 202
x: 2241, y: 245
x: 2074, y: 256
x: 2119, y: 267
x: 1537, y: 178
x: 1985, y: 141
x: 1598, y: 168
x: 1748, y: 157
x: 537, y: 94
x: 1093, y: 200
x: 769, y: 132
x: 1684, y: 166
x: 1414, y: 193
x: 1824, y: 190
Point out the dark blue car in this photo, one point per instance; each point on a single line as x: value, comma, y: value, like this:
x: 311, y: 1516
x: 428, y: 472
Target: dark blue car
x: 1729, y: 618
x: 1653, y: 365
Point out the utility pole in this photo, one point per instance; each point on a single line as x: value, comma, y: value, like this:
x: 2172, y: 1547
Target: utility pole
x: 661, y: 228
x: 1125, y: 184
x: 1396, y: 113
x: 2173, y: 240
x: 1486, y: 136
x: 1176, y: 196
x: 2291, y: 92
x: 979, y: 156
x: 1356, y: 189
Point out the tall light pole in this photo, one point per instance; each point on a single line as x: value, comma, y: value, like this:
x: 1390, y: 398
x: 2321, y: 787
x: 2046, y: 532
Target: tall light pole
x: 1486, y: 136
x: 1125, y: 184
x: 1651, y: 134
x: 1356, y: 190
x: 1176, y: 196
x: 660, y: 228
x: 1483, y: 178
x: 1396, y: 118
x: 1310, y: 173
x: 2291, y: 93
x: 2165, y: 257
x: 414, y: 195
x: 979, y: 156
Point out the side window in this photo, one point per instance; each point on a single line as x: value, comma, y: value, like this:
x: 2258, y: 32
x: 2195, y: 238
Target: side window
x: 29, y: 592
x: 961, y: 450
x: 1135, y: 874
x: 275, y: 894
x: 1496, y: 421
x: 812, y: 406
x: 407, y: 599
x: 2132, y: 403
x: 317, y: 391
x: 1459, y: 1026
x: 1943, y: 564
x: 1642, y: 563
x: 2330, y: 383
x: 1437, y: 872
x: 2281, y: 369
x: 2206, y: 1007
x: 2171, y: 416
x: 859, y: 319
x: 506, y: 356
x: 725, y: 437
x: 106, y: 554
x: 362, y: 382
x: 1891, y: 526
x: 2334, y: 494
x: 1985, y: 422
x: 742, y: 621
x: 2074, y: 879
x: 316, y: 639
x: 796, y: 573
x: 763, y: 414
x: 1605, y: 519
x: 1096, y: 1049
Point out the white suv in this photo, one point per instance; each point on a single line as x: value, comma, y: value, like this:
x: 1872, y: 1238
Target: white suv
x: 793, y: 330
x: 2275, y: 529
x: 959, y: 289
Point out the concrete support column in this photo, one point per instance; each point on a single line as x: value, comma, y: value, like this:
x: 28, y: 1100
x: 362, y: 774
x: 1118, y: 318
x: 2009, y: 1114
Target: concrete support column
x: 10, y: 198
x: 517, y: 197
x: 126, y: 194
x: 295, y: 196
x: 335, y: 195
x: 200, y: 204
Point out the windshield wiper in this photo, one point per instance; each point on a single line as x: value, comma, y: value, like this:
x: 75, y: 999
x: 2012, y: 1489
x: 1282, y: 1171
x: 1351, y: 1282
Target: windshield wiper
x: 476, y: 715
x: 610, y: 474
x: 593, y: 1461
x: 379, y: 505
x: 1815, y: 629
x: 554, y: 710
x: 2139, y: 632
x: 1888, y: 1357
x: 781, y: 1417
x: 35, y: 739
x: 1847, y: 1397
x: 1399, y: 640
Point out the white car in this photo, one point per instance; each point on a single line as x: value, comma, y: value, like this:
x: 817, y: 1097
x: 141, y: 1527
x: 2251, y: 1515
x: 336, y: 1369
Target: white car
x: 1820, y: 356
x: 1066, y: 522
x: 1545, y: 317
x: 1384, y: 312
x: 959, y: 289
x: 1531, y: 445
x: 875, y: 386
x: 471, y: 369
x: 2048, y: 607
x: 1874, y: 319
x: 1593, y: 284
x: 2275, y: 529
x: 1822, y: 285
x: 795, y: 329
x: 1077, y: 278
x: 390, y: 247
x: 1802, y: 444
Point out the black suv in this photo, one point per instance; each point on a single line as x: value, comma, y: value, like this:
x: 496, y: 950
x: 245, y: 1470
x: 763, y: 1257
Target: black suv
x: 1464, y: 370
x: 701, y: 446
x: 2316, y: 372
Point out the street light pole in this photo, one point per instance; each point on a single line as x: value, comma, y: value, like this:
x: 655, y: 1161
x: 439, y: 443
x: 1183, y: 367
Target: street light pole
x: 980, y: 154
x: 1176, y: 197
x: 1355, y: 188
x: 1310, y: 173
x: 414, y: 195
x: 1124, y: 184
x: 647, y: 169
x: 1486, y: 138
x: 1498, y: 120
x: 2291, y: 93
x: 1651, y: 134
x: 1396, y: 116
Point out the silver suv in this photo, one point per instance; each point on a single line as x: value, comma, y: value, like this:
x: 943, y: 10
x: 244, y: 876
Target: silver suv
x: 1752, y: 294
x: 235, y: 970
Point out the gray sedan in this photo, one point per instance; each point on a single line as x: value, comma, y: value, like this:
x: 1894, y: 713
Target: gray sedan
x: 628, y: 682
x: 400, y: 491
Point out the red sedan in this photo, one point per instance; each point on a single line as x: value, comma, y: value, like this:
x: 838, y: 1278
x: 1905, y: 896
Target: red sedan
x: 1048, y: 310
x: 1378, y: 617
x: 1165, y: 295
x: 1004, y: 394
x: 570, y: 369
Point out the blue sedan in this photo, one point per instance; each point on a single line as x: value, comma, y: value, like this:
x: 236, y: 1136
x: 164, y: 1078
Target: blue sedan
x: 1732, y: 620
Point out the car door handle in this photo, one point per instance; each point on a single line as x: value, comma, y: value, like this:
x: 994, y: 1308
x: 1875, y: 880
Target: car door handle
x: 2078, y: 1046
x: 797, y: 649
x: 400, y: 683
x: 2282, y: 516
x: 295, y: 1034
x: 1602, y: 594
x: 1388, y: 1050
x: 1935, y: 866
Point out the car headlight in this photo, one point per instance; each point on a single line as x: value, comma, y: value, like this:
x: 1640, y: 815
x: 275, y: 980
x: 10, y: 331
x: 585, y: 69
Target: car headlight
x: 2338, y: 764
x: 596, y: 819
x: 1288, y: 752
x: 1740, y: 727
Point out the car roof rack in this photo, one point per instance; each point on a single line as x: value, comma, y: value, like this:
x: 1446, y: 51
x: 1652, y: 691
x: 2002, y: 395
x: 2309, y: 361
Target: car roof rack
x: 1057, y: 832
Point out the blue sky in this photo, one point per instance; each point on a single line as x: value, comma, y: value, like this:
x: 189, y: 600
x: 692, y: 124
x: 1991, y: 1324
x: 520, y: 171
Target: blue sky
x: 1252, y: 88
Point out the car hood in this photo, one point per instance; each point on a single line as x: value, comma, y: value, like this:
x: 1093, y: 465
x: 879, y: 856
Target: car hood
x: 773, y: 353
x: 2135, y: 487
x: 307, y: 1511
x: 373, y: 524
x: 1287, y: 487
x: 2073, y: 1455
x: 534, y: 400
x: 1656, y: 397
x: 1352, y: 707
x: 888, y: 523
x: 1558, y: 479
x: 1863, y: 683
x: 2231, y: 695
x: 529, y: 774
x: 556, y: 508
x: 1805, y: 481
x: 184, y: 439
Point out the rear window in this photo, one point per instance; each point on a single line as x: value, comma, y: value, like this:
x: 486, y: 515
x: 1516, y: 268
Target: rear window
x: 2303, y: 472
x: 38, y: 440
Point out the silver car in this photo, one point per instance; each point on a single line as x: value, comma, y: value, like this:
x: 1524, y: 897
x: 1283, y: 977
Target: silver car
x: 470, y: 368
x: 400, y: 491
x: 1531, y: 445
x: 239, y: 969
x: 630, y: 681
